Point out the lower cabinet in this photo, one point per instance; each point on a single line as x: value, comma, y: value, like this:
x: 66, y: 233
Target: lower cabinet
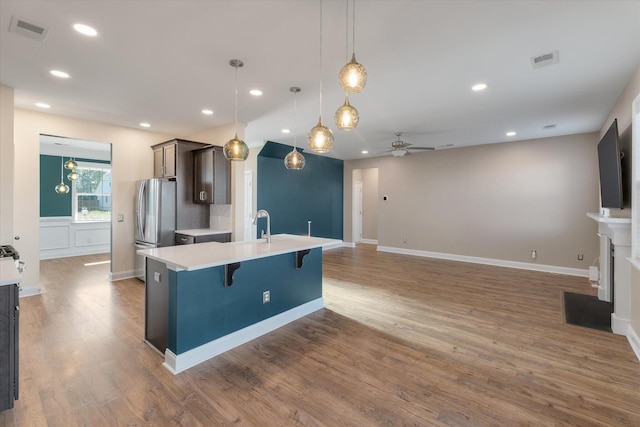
x: 156, y: 305
x: 9, y: 320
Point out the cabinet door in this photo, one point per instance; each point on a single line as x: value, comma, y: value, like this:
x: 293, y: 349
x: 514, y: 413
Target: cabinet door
x: 156, y: 322
x: 158, y: 162
x: 169, y: 160
x: 222, y: 172
x: 222, y: 238
x: 203, y: 191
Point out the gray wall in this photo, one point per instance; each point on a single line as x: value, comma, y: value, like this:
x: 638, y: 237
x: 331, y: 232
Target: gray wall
x: 495, y: 201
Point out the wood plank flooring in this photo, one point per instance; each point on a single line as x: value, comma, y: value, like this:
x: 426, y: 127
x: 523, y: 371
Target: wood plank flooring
x: 402, y: 341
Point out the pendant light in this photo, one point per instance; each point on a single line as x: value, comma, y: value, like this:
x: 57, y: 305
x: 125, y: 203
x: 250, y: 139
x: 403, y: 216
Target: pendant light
x: 320, y: 137
x: 346, y: 116
x: 70, y: 164
x: 235, y: 149
x: 73, y: 175
x: 353, y: 76
x: 294, y: 160
x: 62, y: 188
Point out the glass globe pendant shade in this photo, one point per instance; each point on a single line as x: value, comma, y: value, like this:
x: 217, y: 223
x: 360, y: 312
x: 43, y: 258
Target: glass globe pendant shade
x: 62, y: 188
x: 320, y: 138
x: 236, y: 150
x: 353, y: 76
x: 70, y: 164
x: 294, y: 160
x: 73, y: 175
x: 346, y: 116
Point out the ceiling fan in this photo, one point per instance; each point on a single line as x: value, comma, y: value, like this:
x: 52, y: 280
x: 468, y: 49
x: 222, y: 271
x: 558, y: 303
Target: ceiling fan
x: 401, y: 148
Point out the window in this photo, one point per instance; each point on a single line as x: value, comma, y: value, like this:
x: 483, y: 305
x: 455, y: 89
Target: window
x: 92, y: 192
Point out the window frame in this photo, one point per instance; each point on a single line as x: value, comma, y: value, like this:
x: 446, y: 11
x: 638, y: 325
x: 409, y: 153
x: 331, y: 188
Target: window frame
x: 83, y: 164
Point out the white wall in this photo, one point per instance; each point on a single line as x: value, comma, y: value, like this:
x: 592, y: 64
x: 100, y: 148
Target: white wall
x: 6, y: 165
x: 370, y: 198
x: 132, y: 160
x: 494, y: 201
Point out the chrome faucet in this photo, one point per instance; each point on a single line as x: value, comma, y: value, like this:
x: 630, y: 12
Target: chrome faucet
x: 264, y: 214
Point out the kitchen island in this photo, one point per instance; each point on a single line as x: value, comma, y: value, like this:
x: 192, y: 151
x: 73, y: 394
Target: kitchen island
x: 204, y: 299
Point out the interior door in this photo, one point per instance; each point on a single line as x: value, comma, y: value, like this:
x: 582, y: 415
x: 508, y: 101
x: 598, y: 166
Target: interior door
x: 357, y: 211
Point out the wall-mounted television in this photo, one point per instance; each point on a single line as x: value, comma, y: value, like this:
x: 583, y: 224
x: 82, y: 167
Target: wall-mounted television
x: 610, y: 165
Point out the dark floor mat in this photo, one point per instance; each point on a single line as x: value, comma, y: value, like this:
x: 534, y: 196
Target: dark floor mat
x: 587, y: 311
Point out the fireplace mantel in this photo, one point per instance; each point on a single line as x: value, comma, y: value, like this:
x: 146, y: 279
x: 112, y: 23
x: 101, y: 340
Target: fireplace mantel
x: 615, y: 234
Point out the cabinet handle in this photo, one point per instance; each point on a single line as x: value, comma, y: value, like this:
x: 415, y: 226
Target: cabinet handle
x: 203, y: 195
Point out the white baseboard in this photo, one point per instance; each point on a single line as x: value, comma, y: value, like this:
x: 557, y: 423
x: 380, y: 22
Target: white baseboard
x: 79, y: 251
x: 369, y: 241
x: 619, y: 325
x: 113, y: 277
x: 489, y: 261
x: 634, y: 340
x: 178, y: 363
x: 348, y: 245
x: 31, y: 291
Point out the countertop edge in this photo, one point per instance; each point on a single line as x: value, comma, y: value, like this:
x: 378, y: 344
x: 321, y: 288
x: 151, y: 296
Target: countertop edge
x: 177, y: 266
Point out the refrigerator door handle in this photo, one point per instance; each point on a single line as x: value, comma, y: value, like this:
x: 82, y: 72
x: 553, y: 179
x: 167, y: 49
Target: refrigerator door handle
x: 141, y: 192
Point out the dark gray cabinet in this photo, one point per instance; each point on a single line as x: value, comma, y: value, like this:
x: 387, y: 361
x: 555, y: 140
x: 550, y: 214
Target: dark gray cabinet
x: 175, y: 160
x: 9, y: 321
x: 187, y: 239
x: 164, y: 161
x: 211, y: 177
x: 156, y: 305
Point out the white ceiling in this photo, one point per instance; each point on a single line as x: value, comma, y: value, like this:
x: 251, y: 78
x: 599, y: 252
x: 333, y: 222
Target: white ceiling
x: 162, y: 62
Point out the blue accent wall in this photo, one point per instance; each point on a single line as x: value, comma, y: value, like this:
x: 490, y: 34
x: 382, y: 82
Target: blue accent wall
x: 292, y: 197
x: 52, y: 203
x: 202, y: 309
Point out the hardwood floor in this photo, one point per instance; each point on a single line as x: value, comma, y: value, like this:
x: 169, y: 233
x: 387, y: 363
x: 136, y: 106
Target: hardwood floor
x: 402, y: 341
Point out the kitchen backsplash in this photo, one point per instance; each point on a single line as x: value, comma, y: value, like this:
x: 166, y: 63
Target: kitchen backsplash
x: 220, y: 217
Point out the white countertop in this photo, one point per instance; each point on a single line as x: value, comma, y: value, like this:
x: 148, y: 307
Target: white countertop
x: 9, y: 274
x: 212, y: 254
x: 197, y: 232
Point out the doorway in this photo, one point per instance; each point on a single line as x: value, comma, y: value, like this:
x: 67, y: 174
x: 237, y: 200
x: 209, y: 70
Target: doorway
x: 75, y: 197
x: 365, y: 202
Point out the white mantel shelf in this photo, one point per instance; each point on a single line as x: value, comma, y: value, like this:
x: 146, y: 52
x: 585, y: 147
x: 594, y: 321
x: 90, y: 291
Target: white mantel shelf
x: 615, y: 233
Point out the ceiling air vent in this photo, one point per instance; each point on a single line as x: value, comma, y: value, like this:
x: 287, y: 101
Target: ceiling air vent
x: 544, y: 60
x: 28, y: 29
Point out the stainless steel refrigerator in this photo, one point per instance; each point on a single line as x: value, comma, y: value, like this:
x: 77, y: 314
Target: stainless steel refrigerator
x: 155, y: 220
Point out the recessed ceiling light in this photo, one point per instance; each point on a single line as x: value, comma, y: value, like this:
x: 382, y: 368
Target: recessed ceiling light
x: 60, y: 74
x: 145, y: 125
x: 255, y: 92
x: 478, y: 87
x: 85, y: 29
x: 42, y: 105
x: 365, y: 152
x: 285, y: 131
x: 207, y: 112
x: 510, y: 133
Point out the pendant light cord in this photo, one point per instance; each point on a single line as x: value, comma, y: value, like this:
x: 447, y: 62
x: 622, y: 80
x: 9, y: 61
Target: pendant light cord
x: 353, y: 25
x: 346, y: 32
x: 236, y: 116
x: 295, y: 119
x: 320, y: 58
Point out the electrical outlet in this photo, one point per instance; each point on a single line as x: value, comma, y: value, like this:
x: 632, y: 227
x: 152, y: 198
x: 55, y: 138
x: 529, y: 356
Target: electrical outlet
x: 580, y: 257
x: 156, y: 276
x: 534, y: 254
x: 266, y: 297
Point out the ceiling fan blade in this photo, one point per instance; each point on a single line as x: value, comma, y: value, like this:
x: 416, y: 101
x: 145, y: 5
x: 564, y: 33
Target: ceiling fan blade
x: 421, y: 148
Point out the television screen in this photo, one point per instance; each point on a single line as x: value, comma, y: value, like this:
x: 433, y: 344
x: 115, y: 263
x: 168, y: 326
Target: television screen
x: 609, y: 161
